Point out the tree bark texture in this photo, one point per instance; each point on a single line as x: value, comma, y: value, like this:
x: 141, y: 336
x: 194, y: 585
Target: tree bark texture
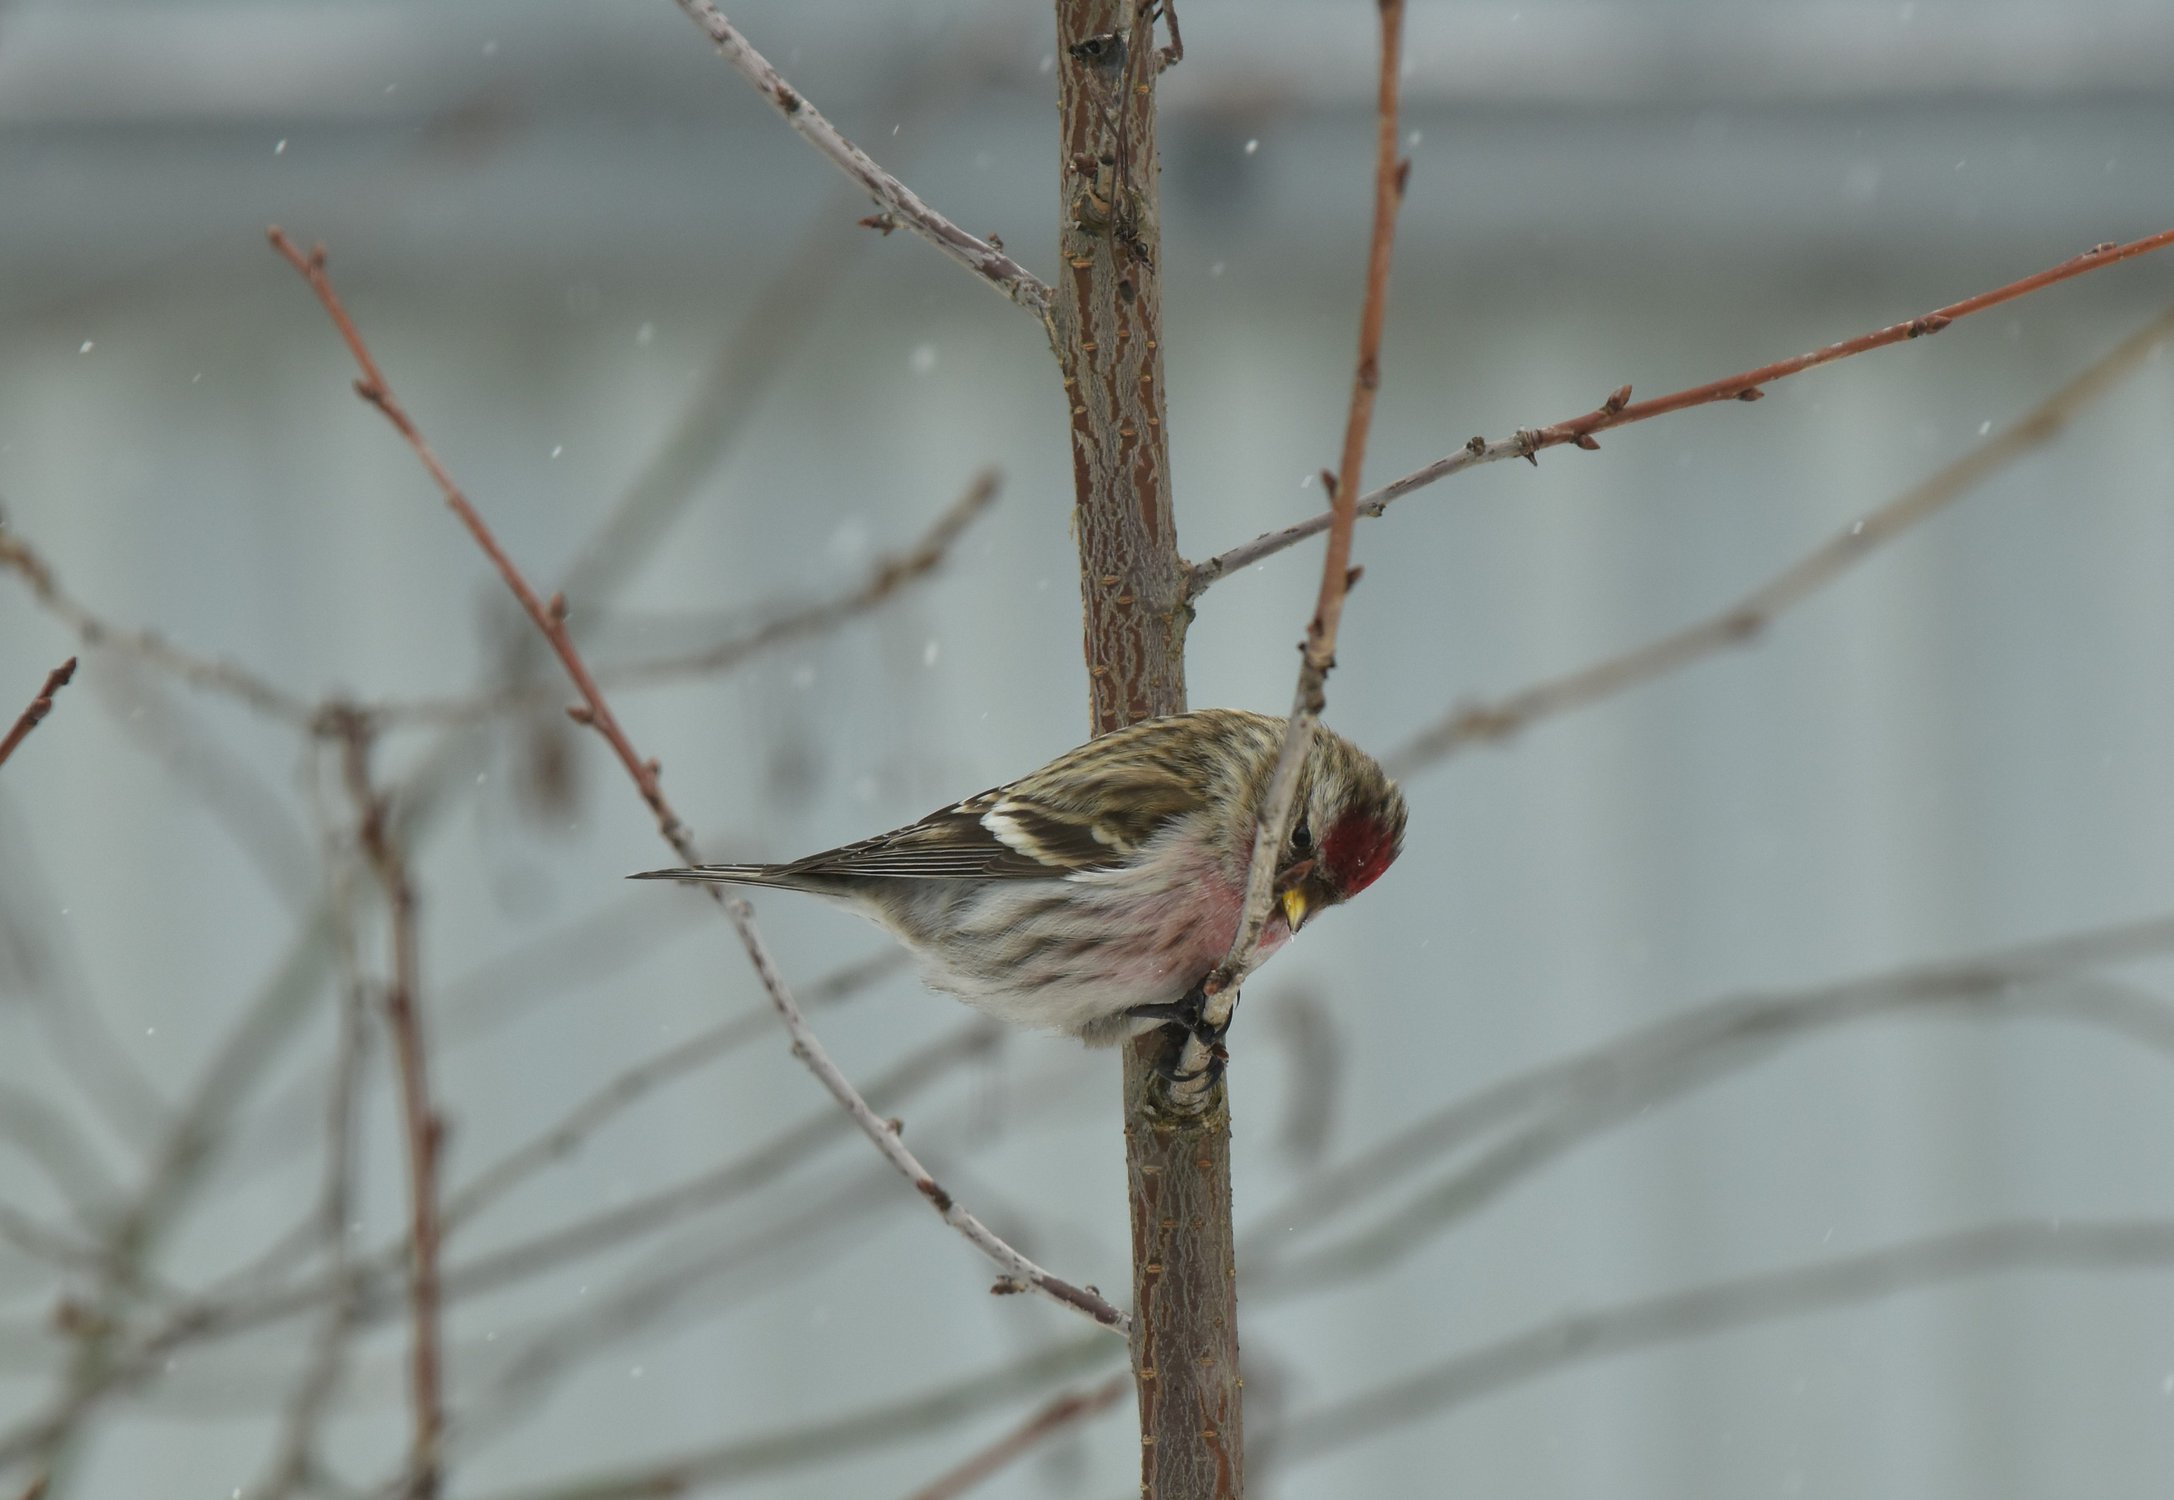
x: 1107, y: 326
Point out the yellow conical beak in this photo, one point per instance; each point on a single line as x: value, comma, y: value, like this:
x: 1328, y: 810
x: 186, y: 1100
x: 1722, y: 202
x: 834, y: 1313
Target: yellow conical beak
x: 1294, y: 908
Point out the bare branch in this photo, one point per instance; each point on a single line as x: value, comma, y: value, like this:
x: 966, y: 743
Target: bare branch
x: 1319, y: 650
x: 244, y: 1310
x: 662, y: 1207
x: 144, y: 709
x: 676, y: 1290
x: 370, y: 1279
x: 1173, y: 51
x: 1632, y: 1090
x: 1579, y: 1095
x: 2036, y: 1244
x: 39, y: 707
x: 886, y: 577
x: 819, y: 1228
x: 1022, y: 1274
x: 1620, y: 411
x: 52, y: 1139
x: 551, y: 621
x: 422, y: 1131
x: 93, y: 631
x: 654, y: 1210
x: 1744, y: 621
x: 43, y: 1242
x: 751, y: 355
x: 855, y: 1432
x: 295, y: 1459
x: 899, y: 205
x: 1068, y: 1410
x: 551, y: 618
x: 100, y: 1363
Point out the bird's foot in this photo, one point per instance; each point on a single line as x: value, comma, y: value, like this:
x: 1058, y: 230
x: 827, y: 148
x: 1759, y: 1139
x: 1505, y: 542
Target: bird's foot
x: 1170, y: 1068
x: 1187, y: 1016
x: 1186, y: 1020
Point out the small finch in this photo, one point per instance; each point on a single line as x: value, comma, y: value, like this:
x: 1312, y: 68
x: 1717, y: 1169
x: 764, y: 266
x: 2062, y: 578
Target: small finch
x: 1102, y: 890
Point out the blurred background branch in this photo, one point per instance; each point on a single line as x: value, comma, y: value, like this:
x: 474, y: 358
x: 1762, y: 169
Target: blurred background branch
x: 640, y: 320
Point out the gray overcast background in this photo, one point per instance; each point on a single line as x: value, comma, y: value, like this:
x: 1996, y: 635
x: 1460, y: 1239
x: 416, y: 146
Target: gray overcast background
x: 550, y: 216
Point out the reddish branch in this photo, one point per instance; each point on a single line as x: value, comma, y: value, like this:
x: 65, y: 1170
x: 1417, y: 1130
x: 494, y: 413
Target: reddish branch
x: 1021, y: 1273
x: 422, y: 1130
x: 550, y: 618
x: 1744, y: 621
x: 1319, y: 650
x: 40, y: 706
x: 1620, y: 411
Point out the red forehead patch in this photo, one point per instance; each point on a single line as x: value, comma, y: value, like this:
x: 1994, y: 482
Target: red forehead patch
x: 1357, y: 850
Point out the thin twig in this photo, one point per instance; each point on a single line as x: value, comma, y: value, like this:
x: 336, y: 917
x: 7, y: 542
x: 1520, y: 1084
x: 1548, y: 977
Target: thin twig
x: 551, y: 621
x: 549, y: 618
x: 1620, y: 411
x: 505, y: 987
x: 898, y: 204
x: 41, y: 1241
x: 743, y: 1173
x: 89, y: 1058
x: 40, y: 706
x: 885, y: 578
x: 281, y: 1118
x: 179, y: 1167
x: 1744, y: 621
x: 751, y: 357
x: 1619, y: 1078
x: 792, y: 1248
x: 196, y: 1320
x: 1630, y: 1091
x: 1319, y: 649
x: 1068, y: 1410
x: 780, y: 1250
x: 836, y: 1437
x: 2036, y: 1244
x: 1173, y: 51
x: 656, y: 1210
x: 225, y: 782
x: 421, y: 1130
x: 94, y: 632
x: 1021, y: 1273
x: 294, y: 1460
x: 55, y: 1141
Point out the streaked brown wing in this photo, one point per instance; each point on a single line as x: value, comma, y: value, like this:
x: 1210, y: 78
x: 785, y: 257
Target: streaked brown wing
x: 997, y: 835
x: 1089, y: 809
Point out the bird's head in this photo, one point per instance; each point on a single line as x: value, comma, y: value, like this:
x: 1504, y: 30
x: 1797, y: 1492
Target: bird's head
x: 1349, y: 828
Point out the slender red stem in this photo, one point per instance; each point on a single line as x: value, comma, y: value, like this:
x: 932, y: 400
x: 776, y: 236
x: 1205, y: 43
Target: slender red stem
x: 40, y: 706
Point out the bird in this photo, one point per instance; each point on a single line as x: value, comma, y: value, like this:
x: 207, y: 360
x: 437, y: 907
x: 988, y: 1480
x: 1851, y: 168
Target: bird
x: 1096, y: 895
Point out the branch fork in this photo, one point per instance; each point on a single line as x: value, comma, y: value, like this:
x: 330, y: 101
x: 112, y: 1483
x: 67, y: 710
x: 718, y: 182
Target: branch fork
x: 549, y: 618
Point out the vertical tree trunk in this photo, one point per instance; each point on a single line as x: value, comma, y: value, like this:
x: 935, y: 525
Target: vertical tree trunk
x: 1108, y: 332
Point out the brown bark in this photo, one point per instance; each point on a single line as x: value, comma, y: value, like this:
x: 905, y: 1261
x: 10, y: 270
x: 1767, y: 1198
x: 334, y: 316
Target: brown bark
x: 1108, y: 331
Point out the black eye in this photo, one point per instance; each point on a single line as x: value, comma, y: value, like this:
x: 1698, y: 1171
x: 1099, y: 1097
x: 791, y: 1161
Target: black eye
x: 1302, y: 837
